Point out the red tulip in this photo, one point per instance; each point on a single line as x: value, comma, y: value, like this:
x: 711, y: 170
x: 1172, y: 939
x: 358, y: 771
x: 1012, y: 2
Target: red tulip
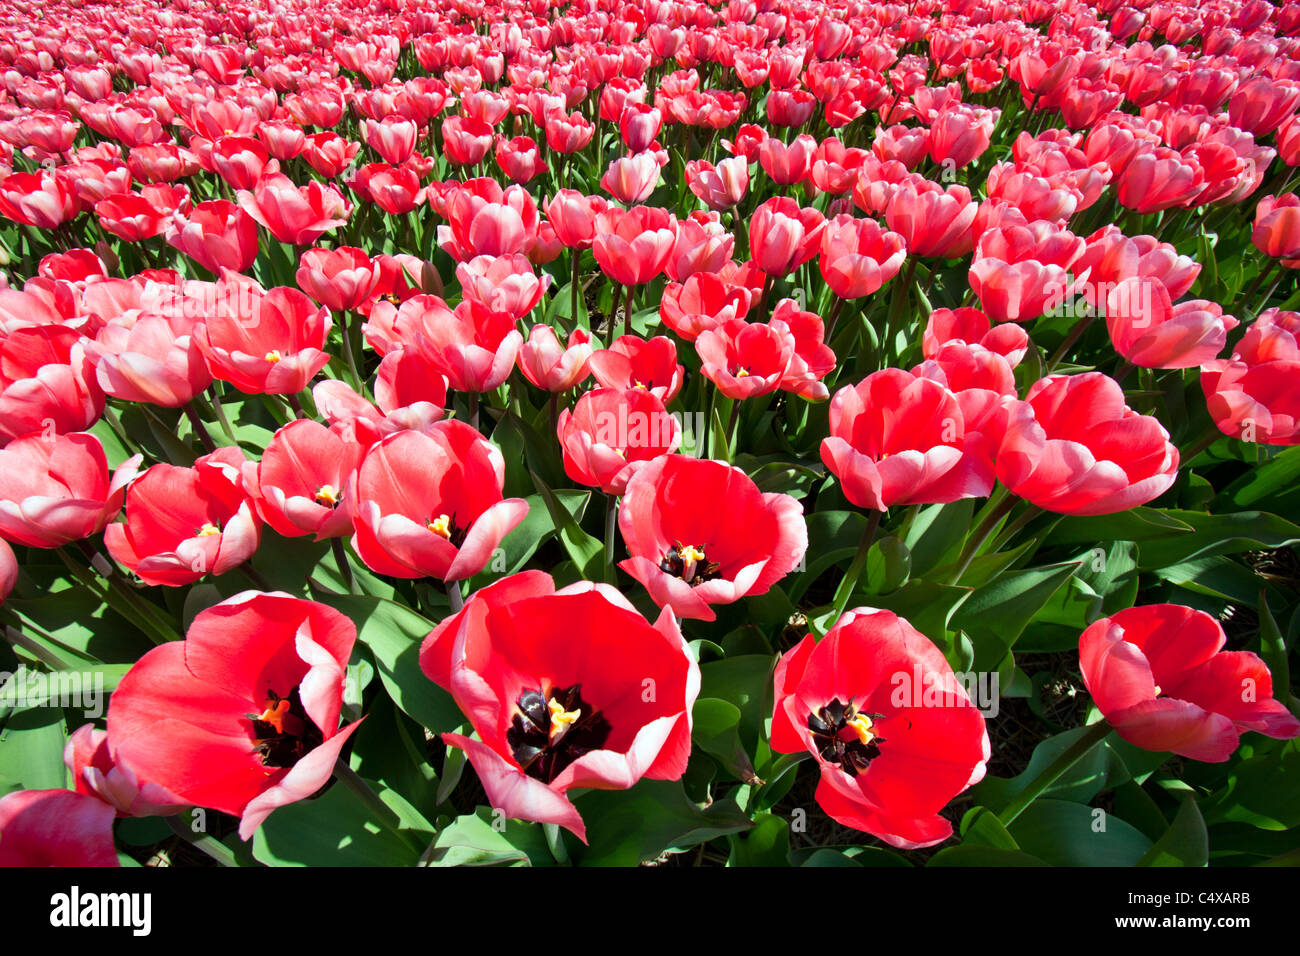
x: 573, y: 216
x: 339, y: 279
x: 746, y: 359
x: 1074, y: 447
x: 1159, y: 675
x: 897, y: 439
x: 933, y: 222
x: 46, y: 382
x: 872, y: 701
x: 567, y: 689
x: 1150, y: 332
x: 973, y: 327
x: 702, y: 302
x: 633, y: 362
x: 486, y: 220
x: 474, y: 347
x: 719, y: 187
x: 960, y: 134
x: 858, y: 256
x: 783, y: 237
x: 329, y: 153
x: 147, y: 357
x: 97, y: 772
x: 303, y: 484
x: 1277, y: 226
x: 44, y: 200
x: 55, y: 489
x: 700, y: 532
x: 609, y: 434
x: 633, y: 245
x: 429, y: 504
x: 55, y: 828
x: 465, y: 141
x: 1020, y: 272
x: 520, y: 159
x: 243, y: 715
x: 506, y: 283
x: 787, y: 164
x: 1111, y: 257
x: 217, y: 235
x: 183, y: 523
x: 298, y: 215
x: 241, y: 160
x: 552, y: 366
x: 702, y: 245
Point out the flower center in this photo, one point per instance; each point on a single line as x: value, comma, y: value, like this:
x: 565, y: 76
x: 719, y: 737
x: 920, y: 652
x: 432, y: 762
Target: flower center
x: 328, y: 495
x: 444, y: 526
x: 207, y: 530
x: 689, y: 563
x: 551, y: 731
x: 274, y: 356
x: 282, y: 732
x: 845, y: 736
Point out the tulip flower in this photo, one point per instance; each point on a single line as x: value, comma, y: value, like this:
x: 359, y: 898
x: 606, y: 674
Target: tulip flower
x: 552, y: 366
x: 1277, y: 226
x: 1150, y: 332
x: 565, y: 689
x: 55, y: 489
x: 704, y: 301
x: 97, y: 772
x: 1074, y: 447
x: 1159, y: 675
x: 1020, y: 272
x: 183, y: 523
x: 609, y: 434
x: 47, y: 381
x: 719, y: 187
x: 265, y: 343
x: 633, y: 245
x: 633, y: 362
x: 506, y: 283
x: 933, y: 222
x: 783, y: 237
x: 56, y: 828
x: 972, y: 326
x: 700, y: 533
x: 217, y: 235
x: 429, y: 504
x: 474, y: 347
x: 243, y: 715
x: 303, y: 484
x: 898, y: 439
x: 339, y: 279
x: 298, y: 215
x: 858, y: 256
x: 872, y: 701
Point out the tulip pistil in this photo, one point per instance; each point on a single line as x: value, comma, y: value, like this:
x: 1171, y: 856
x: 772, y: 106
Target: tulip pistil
x: 328, y: 495
x: 207, y: 530
x: 274, y: 356
x: 445, y: 527
x: 689, y: 563
x: 846, y: 736
x: 551, y: 731
x: 283, y: 733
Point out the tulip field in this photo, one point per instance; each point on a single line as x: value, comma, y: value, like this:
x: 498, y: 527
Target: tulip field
x: 649, y: 433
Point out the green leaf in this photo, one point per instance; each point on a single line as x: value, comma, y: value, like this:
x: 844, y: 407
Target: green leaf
x: 936, y: 532
x: 394, y: 632
x: 833, y: 536
x: 889, y: 563
x: 334, y: 829
x: 486, y: 838
x: 716, y: 731
x: 995, y: 615
x: 585, y: 551
x: 1272, y: 649
x: 31, y: 750
x: 1218, y: 534
x: 768, y: 844
x: 981, y: 827
x: 1263, y: 791
x: 628, y: 827
x: 1071, y: 834
x: 1185, y: 843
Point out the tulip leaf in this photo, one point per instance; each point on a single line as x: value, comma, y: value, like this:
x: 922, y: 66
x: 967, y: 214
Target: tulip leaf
x: 628, y: 827
x: 394, y: 632
x: 936, y: 532
x: 587, y: 553
x: 1218, y: 534
x: 1277, y: 476
x: 334, y: 829
x: 1273, y: 650
x: 981, y: 827
x: 522, y: 543
x: 1062, y: 833
x: 888, y: 564
x: 973, y: 854
x: 767, y: 844
x: 1263, y: 790
x: 995, y: 615
x: 1185, y: 843
x: 833, y: 536
x: 1136, y: 524
x: 716, y: 731
x: 31, y: 750
x: 486, y: 838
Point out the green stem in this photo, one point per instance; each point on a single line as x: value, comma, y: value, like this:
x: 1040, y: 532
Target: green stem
x: 1080, y: 326
x: 849, y: 582
x: 220, y: 412
x: 345, y: 568
x: 454, y: 597
x: 976, y: 540
x: 1094, y: 735
x: 611, y: 526
x: 200, y: 429
x: 15, y: 636
x: 215, y: 849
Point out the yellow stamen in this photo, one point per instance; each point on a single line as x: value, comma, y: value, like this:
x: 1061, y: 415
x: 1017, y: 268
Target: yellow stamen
x: 275, y: 714
x: 862, y: 726
x: 274, y: 356
x: 1158, y: 690
x: 742, y: 373
x: 639, y: 385
x: 441, y: 525
x: 328, y: 495
x: 691, y: 553
x: 207, y: 530
x: 560, y: 718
